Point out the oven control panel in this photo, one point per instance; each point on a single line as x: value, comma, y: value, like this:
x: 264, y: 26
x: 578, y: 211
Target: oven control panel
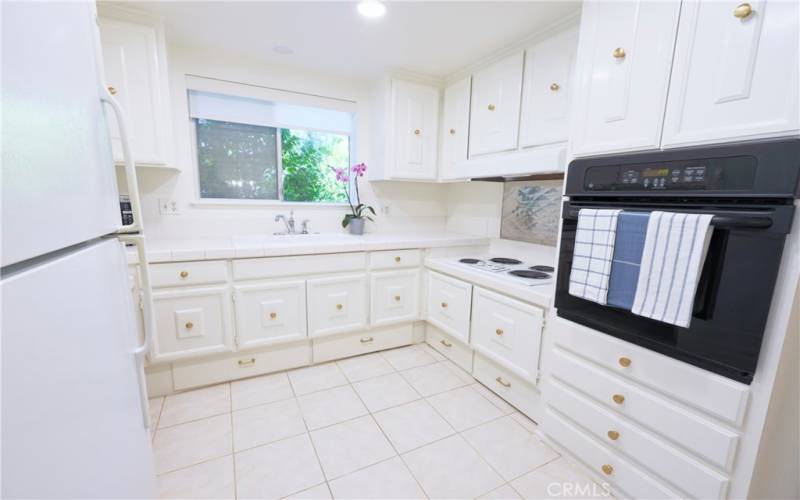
x: 688, y: 177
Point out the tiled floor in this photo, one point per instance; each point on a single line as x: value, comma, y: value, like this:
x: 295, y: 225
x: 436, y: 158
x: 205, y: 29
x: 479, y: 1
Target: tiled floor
x: 403, y: 423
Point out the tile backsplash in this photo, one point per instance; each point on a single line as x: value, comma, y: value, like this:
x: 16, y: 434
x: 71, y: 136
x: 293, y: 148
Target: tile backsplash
x: 531, y: 210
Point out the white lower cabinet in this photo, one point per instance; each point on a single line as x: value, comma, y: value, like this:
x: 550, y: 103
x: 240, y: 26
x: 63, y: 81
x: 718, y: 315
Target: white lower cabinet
x: 517, y: 391
x: 192, y: 322
x: 454, y: 350
x: 270, y: 313
x: 395, y: 297
x: 449, y: 304
x: 332, y: 347
x: 337, y: 304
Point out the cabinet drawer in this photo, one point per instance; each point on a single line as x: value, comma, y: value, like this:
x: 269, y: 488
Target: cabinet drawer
x: 642, y: 446
x: 706, y: 391
x: 394, y: 259
x: 188, y: 273
x: 507, y: 331
x: 702, y: 437
x: 353, y: 344
x: 187, y: 374
x: 449, y: 305
x: 337, y: 304
x: 395, y: 297
x: 518, y: 392
x: 275, y: 267
x: 619, y: 472
x: 271, y: 312
x: 192, y: 322
x: 454, y: 350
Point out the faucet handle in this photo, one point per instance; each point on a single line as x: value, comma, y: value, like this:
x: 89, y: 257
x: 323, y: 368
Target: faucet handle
x: 304, y: 226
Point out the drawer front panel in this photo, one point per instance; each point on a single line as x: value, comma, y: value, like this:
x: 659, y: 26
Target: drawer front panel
x: 702, y: 437
x: 619, y: 472
x: 188, y: 273
x: 449, y: 305
x: 353, y: 344
x: 337, y: 305
x: 395, y: 297
x: 392, y: 259
x: 192, y: 322
x: 269, y: 313
x: 275, y: 267
x: 709, y: 392
x: 518, y: 392
x: 662, y: 459
x: 507, y: 331
x: 454, y: 350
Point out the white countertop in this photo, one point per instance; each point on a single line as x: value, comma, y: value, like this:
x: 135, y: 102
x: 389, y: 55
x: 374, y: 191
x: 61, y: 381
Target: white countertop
x: 247, y: 246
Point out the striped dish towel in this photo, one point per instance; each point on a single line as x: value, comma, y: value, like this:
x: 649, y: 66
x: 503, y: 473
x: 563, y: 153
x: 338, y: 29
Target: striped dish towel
x: 674, y: 251
x: 594, y: 249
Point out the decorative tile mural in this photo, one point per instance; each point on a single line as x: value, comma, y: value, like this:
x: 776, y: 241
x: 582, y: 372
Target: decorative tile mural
x: 531, y: 210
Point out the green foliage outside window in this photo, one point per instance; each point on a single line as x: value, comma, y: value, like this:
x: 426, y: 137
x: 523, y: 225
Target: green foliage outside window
x: 306, y: 158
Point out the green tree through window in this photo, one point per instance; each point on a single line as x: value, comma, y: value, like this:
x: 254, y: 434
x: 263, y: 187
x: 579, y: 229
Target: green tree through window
x: 306, y: 157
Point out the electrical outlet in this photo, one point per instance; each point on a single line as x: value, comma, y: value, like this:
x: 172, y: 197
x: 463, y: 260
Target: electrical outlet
x: 386, y: 210
x: 168, y: 207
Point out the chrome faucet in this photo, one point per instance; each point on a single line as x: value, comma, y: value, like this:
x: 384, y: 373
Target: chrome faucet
x: 289, y: 223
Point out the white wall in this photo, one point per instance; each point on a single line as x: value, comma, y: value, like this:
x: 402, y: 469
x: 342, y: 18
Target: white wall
x: 475, y: 208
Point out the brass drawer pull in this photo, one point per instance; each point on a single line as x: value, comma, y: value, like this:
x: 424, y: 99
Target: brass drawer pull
x: 624, y: 362
x: 491, y: 107
x: 339, y: 307
x: 743, y: 11
x: 273, y: 315
x: 367, y: 340
x: 445, y: 343
x: 112, y: 90
x: 189, y: 325
x: 397, y: 258
x: 184, y: 274
x: 499, y: 331
x: 452, y: 131
x: 397, y: 298
x: 417, y: 131
x: 613, y: 435
x: 618, y: 398
x: 554, y: 87
x: 444, y: 305
x: 503, y: 382
x: 607, y: 469
x: 619, y: 53
x: 247, y: 362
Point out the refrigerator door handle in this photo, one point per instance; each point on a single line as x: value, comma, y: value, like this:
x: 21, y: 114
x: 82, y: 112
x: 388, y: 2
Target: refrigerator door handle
x: 130, y: 167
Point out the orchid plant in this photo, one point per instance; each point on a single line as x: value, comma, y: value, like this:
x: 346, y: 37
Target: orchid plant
x: 359, y: 210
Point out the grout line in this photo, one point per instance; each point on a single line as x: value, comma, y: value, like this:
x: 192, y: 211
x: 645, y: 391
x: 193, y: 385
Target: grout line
x: 310, y: 439
x: 233, y: 447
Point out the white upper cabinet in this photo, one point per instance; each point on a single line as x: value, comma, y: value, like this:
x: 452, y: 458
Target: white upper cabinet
x: 735, y: 74
x: 455, y: 128
x: 135, y: 72
x: 415, y: 111
x: 623, y: 66
x: 547, y: 85
x: 494, y: 111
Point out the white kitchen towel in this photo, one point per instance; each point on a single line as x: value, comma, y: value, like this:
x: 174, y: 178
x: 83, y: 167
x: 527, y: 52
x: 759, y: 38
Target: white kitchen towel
x: 594, y: 249
x: 674, y: 252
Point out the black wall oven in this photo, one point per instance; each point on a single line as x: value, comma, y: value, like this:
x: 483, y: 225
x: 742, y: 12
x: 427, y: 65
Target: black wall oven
x: 750, y: 190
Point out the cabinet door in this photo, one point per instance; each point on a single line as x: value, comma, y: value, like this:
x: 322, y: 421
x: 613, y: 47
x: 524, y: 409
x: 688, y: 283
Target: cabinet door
x: 192, y: 322
x: 270, y: 313
x: 337, y: 304
x: 133, y: 73
x: 416, y: 120
x: 395, y: 297
x: 734, y: 77
x: 449, y: 302
x: 455, y: 127
x: 546, y: 90
x: 494, y: 111
x: 623, y: 64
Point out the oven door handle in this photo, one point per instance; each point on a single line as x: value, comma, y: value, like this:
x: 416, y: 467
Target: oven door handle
x: 723, y: 221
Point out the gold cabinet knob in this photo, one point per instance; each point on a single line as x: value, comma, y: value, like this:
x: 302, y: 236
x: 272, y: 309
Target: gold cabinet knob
x: 554, y: 87
x: 618, y: 398
x: 417, y: 131
x: 247, y: 362
x: 273, y: 315
x: 607, y: 469
x: 499, y: 331
x: 112, y: 90
x: 444, y: 305
x: 624, y: 362
x: 743, y: 11
x: 366, y: 340
x: 189, y: 325
x: 397, y: 298
x: 184, y: 274
x: 339, y: 307
x: 452, y: 131
x: 445, y: 343
x: 613, y: 435
x: 619, y: 53
x: 397, y: 258
x: 502, y: 382
x: 490, y: 107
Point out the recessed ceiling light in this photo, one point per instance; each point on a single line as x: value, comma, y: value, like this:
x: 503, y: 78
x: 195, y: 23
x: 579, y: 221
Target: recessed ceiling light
x: 371, y: 8
x: 282, y: 50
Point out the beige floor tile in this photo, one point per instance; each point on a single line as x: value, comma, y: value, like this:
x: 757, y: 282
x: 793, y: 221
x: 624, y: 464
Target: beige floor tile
x: 154, y: 406
x: 316, y: 378
x: 464, y: 408
x: 496, y: 400
x: 330, y: 406
x: 318, y: 492
x: 413, y: 425
x: 191, y: 443
x: 278, y: 469
x: 212, y: 479
x: 408, y: 357
x: 436, y: 355
x: 260, y: 390
x: 459, y: 372
x: 504, y: 492
x: 364, y: 367
x: 524, y: 421
x: 196, y: 404
x: 346, y: 447
x: 389, y: 479
x: 509, y: 448
x: 450, y: 468
x: 433, y: 379
x: 266, y: 423
x: 384, y: 392
x: 558, y: 479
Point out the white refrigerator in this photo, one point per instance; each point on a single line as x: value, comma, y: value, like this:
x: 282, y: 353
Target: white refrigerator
x: 74, y: 405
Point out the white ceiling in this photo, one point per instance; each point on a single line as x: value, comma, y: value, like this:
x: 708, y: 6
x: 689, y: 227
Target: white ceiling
x: 435, y: 38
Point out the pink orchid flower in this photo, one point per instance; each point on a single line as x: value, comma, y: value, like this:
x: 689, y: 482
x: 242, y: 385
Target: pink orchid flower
x: 359, y: 169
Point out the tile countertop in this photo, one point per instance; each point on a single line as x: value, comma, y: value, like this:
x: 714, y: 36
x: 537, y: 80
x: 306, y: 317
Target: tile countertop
x: 272, y: 246
x: 541, y: 295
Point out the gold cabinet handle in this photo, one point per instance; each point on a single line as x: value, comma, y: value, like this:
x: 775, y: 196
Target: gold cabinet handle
x: 247, y: 362
x: 184, y: 274
x: 397, y: 258
x: 452, y: 131
x: 367, y: 340
x: 112, y: 90
x: 613, y: 435
x: 554, y: 87
x: 339, y: 307
x: 743, y: 11
x: 417, y: 131
x: 397, y: 298
x: 624, y: 362
x: 618, y: 398
x: 445, y: 343
x: 607, y: 469
x: 499, y: 331
x: 273, y: 315
x: 189, y: 325
x: 502, y: 382
x: 490, y: 107
x: 619, y: 53
x: 444, y: 305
